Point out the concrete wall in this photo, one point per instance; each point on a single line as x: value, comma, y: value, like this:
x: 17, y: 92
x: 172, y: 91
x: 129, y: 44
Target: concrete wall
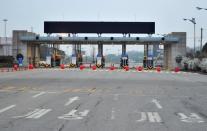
x: 172, y: 50
x: 5, y: 46
x: 18, y: 46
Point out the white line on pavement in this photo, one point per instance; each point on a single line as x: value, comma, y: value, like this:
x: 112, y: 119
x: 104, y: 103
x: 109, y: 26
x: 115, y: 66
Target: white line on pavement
x: 116, y: 97
x: 157, y: 103
x: 154, y: 117
x: 7, y: 108
x: 74, y: 115
x: 71, y: 100
x: 37, y: 113
x: 41, y: 93
x: 112, y: 114
x: 192, y: 118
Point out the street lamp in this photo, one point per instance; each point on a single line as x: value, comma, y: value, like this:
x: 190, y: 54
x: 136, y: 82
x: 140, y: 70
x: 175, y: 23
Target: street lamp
x: 5, y: 22
x: 194, y: 23
x: 199, y: 8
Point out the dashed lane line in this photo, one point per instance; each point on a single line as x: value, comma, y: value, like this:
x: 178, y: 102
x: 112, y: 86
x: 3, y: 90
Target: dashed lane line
x: 7, y: 108
x: 39, y: 94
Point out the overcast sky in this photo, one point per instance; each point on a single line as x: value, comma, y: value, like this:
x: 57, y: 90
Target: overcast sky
x: 167, y: 14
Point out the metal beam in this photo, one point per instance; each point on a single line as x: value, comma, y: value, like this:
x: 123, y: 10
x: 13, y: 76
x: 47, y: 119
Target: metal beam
x: 103, y: 40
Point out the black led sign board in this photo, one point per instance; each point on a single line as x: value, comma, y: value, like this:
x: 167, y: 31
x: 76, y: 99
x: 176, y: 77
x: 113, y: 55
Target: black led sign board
x: 99, y: 27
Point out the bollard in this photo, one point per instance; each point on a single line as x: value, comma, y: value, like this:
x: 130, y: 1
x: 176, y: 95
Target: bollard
x: 126, y: 68
x: 31, y: 66
x: 158, y: 69
x: 15, y: 67
x: 177, y: 69
x: 93, y: 67
x: 62, y: 66
x: 139, y: 68
x: 82, y: 67
x: 112, y: 68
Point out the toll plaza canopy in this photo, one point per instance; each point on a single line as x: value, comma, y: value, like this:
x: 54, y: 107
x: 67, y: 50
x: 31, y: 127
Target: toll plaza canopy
x: 99, y: 27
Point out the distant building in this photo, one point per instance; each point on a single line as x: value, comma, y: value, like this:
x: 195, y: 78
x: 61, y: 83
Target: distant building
x: 5, y: 46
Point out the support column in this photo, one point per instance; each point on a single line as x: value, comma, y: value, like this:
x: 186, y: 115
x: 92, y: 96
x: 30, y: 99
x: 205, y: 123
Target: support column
x: 145, y: 56
x: 74, y: 55
x: 148, y: 56
x: 79, y: 55
x: 173, y: 50
x: 100, y: 62
x: 54, y: 54
x: 124, y: 56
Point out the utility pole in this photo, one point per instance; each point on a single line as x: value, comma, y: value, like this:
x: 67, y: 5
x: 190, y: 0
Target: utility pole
x: 194, y: 24
x: 201, y: 39
x: 5, y: 22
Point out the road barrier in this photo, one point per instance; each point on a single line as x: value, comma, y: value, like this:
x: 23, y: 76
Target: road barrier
x: 62, y: 66
x: 93, y: 67
x: 31, y: 66
x: 139, y: 68
x: 158, y: 69
x: 126, y: 68
x: 15, y: 67
x: 112, y: 68
x: 177, y: 69
x: 82, y: 67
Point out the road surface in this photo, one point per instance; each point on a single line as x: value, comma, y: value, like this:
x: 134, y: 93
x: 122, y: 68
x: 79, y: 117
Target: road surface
x: 73, y: 100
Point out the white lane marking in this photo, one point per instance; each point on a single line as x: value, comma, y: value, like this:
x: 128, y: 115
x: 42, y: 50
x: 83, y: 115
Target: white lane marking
x: 71, y: 100
x: 150, y: 116
x: 154, y: 117
x: 116, y: 97
x: 193, y: 118
x: 41, y: 93
x: 157, y: 103
x: 37, y: 113
x: 72, y: 116
x: 112, y: 114
x: 143, y: 117
x: 7, y: 108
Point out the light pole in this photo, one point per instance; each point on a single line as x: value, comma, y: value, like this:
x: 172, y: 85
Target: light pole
x: 199, y: 8
x: 194, y: 23
x: 5, y: 22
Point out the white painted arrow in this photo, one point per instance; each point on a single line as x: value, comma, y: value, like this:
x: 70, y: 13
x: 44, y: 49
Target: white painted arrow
x: 157, y: 103
x: 71, y: 100
x: 192, y: 118
x: 74, y: 115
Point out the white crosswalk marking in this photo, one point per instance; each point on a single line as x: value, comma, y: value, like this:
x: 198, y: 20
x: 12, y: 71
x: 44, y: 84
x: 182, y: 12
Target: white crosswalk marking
x: 7, y: 108
x: 37, y: 113
x: 193, y: 118
x: 72, y: 116
x: 150, y: 116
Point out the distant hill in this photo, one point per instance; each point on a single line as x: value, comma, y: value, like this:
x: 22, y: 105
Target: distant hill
x: 133, y: 56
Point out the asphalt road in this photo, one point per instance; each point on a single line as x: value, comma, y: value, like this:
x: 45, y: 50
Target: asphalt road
x: 72, y: 100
